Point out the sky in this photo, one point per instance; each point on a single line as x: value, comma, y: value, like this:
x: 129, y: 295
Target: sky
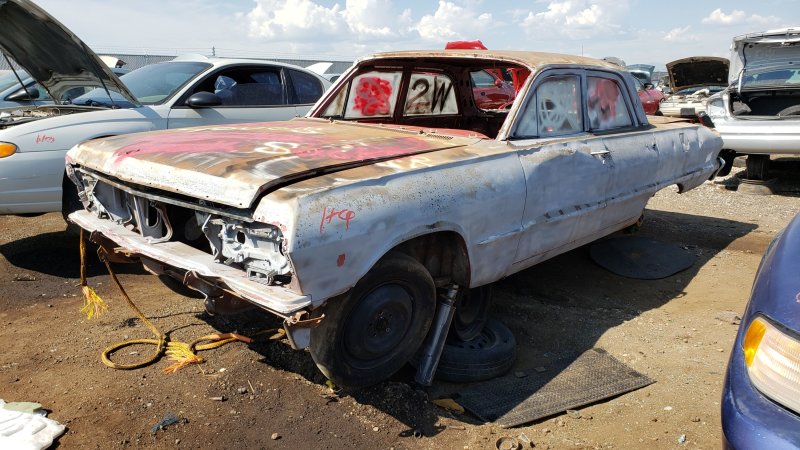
x: 644, y: 32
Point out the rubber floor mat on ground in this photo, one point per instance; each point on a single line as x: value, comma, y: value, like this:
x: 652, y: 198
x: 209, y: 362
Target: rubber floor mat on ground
x: 510, y: 401
x: 640, y: 257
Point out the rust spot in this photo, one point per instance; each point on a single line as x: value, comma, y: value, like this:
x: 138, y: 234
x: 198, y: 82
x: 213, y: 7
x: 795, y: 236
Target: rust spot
x: 340, y: 260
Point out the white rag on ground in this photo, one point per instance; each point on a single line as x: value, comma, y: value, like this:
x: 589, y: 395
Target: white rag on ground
x: 25, y: 431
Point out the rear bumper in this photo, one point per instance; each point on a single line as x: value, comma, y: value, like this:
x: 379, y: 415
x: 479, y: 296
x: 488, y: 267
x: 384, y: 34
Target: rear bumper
x: 752, y: 136
x: 178, y: 255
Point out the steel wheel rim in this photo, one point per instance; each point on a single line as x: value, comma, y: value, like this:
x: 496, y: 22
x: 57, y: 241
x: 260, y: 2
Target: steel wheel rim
x: 377, y: 325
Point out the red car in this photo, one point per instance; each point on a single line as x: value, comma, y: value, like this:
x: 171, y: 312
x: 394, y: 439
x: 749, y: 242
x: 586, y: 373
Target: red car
x: 491, y: 91
x: 651, y: 97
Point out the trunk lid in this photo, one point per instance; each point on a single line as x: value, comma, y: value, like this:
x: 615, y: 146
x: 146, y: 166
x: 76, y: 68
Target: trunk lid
x: 763, y: 51
x: 234, y: 164
x: 50, y: 53
x: 697, y: 71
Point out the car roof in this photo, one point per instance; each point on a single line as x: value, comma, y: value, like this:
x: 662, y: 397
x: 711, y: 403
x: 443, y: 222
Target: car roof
x: 533, y: 60
x: 218, y: 61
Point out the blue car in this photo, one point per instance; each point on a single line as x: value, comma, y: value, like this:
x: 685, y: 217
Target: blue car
x: 761, y: 396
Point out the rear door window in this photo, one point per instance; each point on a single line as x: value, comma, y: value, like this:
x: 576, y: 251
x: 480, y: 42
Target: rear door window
x: 605, y: 105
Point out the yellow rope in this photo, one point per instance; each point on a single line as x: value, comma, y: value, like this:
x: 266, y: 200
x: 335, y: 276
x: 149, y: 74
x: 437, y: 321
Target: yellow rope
x: 182, y: 353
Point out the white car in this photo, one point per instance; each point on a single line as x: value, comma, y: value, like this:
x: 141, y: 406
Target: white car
x: 12, y: 95
x: 758, y: 115
x: 693, y: 81
x: 184, y: 92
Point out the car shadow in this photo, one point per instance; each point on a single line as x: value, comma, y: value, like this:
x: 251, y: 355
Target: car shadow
x: 784, y: 177
x: 557, y: 310
x: 57, y: 254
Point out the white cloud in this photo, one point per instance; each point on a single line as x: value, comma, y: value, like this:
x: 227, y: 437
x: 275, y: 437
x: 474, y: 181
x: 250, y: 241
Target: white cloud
x: 764, y: 20
x: 372, y: 17
x: 296, y: 20
x: 680, y: 34
x: 306, y: 20
x: 451, y: 21
x: 717, y: 17
x: 576, y: 19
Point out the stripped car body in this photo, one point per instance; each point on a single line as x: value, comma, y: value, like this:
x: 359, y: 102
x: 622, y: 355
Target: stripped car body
x: 396, y: 162
x: 693, y: 81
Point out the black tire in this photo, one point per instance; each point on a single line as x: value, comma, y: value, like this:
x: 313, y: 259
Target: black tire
x: 728, y: 156
x: 487, y: 356
x: 372, y: 331
x: 757, y: 167
x: 472, y: 311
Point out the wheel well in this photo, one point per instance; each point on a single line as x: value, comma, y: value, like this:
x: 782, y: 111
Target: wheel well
x: 443, y: 253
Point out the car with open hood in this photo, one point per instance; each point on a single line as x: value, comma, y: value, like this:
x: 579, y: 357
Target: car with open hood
x: 759, y: 113
x: 346, y: 222
x: 12, y: 94
x: 693, y: 81
x: 191, y: 90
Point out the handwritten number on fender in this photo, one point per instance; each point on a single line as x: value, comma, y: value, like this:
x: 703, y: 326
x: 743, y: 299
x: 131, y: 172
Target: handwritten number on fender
x: 329, y: 215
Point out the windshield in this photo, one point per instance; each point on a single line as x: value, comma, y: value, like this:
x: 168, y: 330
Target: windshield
x: 8, y: 79
x: 151, y: 85
x: 775, y: 77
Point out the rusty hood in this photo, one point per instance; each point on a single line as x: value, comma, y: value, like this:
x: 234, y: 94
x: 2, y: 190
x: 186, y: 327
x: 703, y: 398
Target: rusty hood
x: 234, y: 164
x: 51, y: 53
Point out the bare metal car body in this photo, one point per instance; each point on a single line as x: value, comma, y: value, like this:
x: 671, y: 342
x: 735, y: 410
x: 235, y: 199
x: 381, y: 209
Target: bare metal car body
x: 395, y: 158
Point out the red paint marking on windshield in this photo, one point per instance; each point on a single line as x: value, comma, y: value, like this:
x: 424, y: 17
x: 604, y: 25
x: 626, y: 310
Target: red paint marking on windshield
x: 372, y: 96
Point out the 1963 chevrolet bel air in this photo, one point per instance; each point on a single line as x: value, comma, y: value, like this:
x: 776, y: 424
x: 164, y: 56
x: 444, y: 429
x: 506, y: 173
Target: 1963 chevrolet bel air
x: 346, y: 222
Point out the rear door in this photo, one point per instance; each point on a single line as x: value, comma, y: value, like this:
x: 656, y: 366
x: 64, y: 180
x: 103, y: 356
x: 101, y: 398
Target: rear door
x: 566, y: 173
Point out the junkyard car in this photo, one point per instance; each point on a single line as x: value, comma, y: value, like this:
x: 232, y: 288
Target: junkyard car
x: 650, y: 97
x: 761, y: 396
x: 694, y: 80
x: 759, y: 113
x: 183, y: 92
x: 345, y: 222
x: 12, y: 95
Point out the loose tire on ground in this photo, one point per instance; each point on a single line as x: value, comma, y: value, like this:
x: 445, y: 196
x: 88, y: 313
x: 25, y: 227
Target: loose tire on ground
x: 372, y: 331
x: 472, y: 311
x: 487, y: 356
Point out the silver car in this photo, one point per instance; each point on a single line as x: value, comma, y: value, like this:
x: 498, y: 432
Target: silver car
x: 184, y: 92
x: 397, y: 182
x: 759, y: 113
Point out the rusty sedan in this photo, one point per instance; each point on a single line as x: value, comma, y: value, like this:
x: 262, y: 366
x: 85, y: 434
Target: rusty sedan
x: 346, y: 222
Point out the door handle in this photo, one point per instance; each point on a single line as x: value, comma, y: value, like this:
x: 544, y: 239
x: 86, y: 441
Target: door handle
x: 603, y: 155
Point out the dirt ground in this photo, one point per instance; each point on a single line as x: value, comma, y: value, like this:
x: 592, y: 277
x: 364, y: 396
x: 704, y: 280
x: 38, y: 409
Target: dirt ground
x: 674, y: 330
